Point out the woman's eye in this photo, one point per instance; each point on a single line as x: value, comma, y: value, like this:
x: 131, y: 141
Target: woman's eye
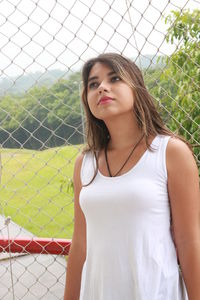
x: 93, y: 85
x: 115, y: 78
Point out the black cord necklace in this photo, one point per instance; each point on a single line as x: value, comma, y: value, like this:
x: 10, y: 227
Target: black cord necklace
x: 106, y: 157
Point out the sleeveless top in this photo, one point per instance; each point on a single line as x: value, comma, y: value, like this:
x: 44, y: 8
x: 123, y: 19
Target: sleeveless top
x: 130, y: 250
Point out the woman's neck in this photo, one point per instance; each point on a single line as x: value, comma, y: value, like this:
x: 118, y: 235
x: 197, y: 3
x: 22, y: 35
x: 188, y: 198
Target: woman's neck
x: 123, y: 133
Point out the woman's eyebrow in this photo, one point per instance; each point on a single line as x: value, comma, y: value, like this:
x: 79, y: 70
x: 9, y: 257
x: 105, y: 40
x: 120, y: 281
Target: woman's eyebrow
x: 96, y: 77
x: 92, y: 78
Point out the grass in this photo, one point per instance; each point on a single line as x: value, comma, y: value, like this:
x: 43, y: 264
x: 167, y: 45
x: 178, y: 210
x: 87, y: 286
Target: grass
x: 30, y: 190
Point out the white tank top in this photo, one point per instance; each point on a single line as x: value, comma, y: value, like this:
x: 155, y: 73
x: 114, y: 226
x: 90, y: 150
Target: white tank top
x: 130, y: 251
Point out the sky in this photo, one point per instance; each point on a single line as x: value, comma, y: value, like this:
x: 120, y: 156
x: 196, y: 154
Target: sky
x: 39, y: 35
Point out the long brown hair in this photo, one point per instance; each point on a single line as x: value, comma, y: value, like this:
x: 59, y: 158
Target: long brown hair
x: 148, y: 119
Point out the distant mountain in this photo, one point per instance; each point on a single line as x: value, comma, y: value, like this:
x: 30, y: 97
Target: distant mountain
x: 149, y: 61
x: 20, y: 84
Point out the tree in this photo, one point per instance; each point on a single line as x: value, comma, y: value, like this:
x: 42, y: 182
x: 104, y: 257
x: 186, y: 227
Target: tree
x: 182, y: 70
x: 42, y: 117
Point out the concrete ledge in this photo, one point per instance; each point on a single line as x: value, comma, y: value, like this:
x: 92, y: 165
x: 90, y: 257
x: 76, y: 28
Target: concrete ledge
x: 14, y: 231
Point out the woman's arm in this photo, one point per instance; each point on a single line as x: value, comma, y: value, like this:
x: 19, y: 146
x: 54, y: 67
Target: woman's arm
x: 183, y: 188
x: 77, y: 252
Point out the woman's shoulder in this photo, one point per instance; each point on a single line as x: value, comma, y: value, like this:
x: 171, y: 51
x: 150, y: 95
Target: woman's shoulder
x: 178, y: 147
x: 179, y: 155
x: 78, y: 162
x: 175, y: 144
x: 79, y: 158
x: 86, y: 155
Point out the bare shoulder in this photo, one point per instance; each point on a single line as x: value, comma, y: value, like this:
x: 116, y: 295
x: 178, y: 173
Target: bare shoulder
x: 180, y: 157
x: 77, y: 166
x: 79, y: 160
x: 183, y: 190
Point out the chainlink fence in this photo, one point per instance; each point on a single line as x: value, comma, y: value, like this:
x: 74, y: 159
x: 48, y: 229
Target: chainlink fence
x: 43, y: 45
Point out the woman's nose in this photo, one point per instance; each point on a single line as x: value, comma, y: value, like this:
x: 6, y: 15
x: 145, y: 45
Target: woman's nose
x: 103, y: 87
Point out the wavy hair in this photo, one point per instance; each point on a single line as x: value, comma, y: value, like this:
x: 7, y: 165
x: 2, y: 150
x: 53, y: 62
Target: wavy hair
x: 148, y: 119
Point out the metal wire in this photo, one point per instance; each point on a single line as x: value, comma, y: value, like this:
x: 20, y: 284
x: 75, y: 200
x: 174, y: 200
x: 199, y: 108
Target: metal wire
x: 43, y: 45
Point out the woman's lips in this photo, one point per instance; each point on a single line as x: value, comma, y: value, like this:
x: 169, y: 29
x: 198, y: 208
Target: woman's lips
x: 105, y: 100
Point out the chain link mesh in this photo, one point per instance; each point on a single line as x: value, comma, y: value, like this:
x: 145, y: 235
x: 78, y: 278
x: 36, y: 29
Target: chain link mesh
x: 43, y: 45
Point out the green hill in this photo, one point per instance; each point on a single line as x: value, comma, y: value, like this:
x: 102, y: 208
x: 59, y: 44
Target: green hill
x: 22, y: 83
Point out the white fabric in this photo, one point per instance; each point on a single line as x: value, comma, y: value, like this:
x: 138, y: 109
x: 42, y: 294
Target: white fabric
x: 130, y: 251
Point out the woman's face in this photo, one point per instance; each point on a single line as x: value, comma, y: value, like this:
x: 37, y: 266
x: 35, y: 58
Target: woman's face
x: 108, y: 95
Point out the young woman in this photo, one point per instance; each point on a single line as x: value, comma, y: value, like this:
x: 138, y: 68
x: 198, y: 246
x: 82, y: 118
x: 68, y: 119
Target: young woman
x: 137, y: 206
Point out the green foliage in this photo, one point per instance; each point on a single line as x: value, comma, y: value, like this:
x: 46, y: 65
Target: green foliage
x: 42, y: 117
x: 179, y: 82
x: 184, y: 27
